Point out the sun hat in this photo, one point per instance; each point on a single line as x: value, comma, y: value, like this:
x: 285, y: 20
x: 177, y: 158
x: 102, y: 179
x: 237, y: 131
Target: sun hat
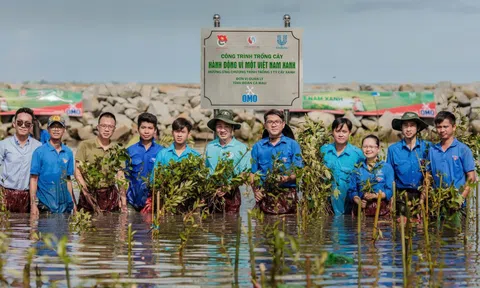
x: 225, y: 116
x: 409, y: 116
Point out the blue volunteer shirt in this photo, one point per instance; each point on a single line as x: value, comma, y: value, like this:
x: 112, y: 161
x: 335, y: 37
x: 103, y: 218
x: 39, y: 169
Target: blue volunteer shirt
x: 406, y: 163
x: 235, y: 150
x: 168, y: 154
x: 53, y: 168
x: 44, y: 136
x: 141, y: 167
x: 451, y: 165
x: 341, y: 166
x: 381, y: 178
x: 287, y: 150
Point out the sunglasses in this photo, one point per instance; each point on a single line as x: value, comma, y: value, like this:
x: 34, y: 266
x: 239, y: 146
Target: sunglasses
x: 25, y: 124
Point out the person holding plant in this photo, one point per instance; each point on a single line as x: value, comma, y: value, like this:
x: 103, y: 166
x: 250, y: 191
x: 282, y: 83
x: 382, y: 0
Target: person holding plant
x: 451, y: 162
x: 407, y: 158
x: 177, y: 152
x: 372, y: 179
x: 225, y: 146
x: 52, y: 167
x: 142, y: 155
x: 107, y: 197
x: 15, y: 159
x: 341, y: 157
x: 275, y: 158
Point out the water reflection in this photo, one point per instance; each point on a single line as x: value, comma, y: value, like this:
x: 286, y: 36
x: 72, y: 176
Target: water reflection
x: 209, y: 257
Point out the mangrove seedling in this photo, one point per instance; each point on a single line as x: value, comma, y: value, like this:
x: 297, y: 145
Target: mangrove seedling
x: 81, y: 221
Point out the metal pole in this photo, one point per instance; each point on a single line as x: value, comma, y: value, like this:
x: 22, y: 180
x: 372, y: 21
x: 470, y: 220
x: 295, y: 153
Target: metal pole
x: 286, y: 23
x: 216, y: 24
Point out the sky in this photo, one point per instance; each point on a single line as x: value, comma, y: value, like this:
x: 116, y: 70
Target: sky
x: 158, y: 41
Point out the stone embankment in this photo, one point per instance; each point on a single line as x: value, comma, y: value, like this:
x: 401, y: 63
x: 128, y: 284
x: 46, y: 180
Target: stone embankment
x: 167, y: 102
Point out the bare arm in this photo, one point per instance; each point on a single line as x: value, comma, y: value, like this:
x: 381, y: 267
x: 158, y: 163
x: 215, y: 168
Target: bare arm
x: 470, y: 180
x: 79, y: 176
x: 33, y: 194
x: 70, y: 190
x: 123, y: 190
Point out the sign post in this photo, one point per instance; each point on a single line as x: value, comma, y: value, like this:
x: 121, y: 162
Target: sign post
x: 286, y: 24
x: 251, y: 68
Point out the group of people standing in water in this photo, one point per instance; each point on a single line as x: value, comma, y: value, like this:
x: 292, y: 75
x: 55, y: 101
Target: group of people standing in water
x: 37, y: 177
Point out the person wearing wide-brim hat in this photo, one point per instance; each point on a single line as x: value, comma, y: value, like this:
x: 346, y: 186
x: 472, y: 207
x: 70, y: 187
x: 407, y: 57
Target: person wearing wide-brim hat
x: 407, y: 158
x: 226, y: 146
x: 276, y: 150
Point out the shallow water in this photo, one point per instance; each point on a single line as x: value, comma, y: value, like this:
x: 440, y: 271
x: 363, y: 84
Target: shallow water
x: 101, y: 256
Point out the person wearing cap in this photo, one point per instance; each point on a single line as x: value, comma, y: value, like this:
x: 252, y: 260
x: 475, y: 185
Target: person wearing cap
x: 279, y: 149
x: 52, y: 167
x: 407, y: 158
x: 226, y: 146
x: 341, y: 157
x: 15, y: 158
x: 451, y: 162
x: 142, y: 155
x: 107, y: 198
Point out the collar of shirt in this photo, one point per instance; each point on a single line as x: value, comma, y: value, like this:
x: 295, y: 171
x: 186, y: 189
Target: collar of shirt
x: 50, y: 146
x: 139, y: 143
x: 418, y: 143
x: 232, y: 143
x: 266, y: 141
x: 15, y: 139
x: 348, y: 149
x: 171, y: 149
x: 365, y: 165
x: 99, y: 146
x: 438, y: 146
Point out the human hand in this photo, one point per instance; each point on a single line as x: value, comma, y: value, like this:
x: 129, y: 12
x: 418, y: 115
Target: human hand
x: 364, y: 204
x: 259, y: 195
x: 34, y: 210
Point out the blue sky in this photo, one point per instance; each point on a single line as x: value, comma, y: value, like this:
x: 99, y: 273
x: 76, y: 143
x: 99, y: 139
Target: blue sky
x: 375, y: 41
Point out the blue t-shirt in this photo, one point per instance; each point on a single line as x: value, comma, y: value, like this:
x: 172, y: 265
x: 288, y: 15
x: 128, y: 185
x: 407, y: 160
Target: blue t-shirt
x: 286, y: 150
x: 450, y: 165
x: 44, y: 136
x: 141, y: 167
x: 406, y: 163
x: 168, y: 154
x: 53, y: 168
x: 235, y: 150
x: 341, y: 166
x: 380, y: 178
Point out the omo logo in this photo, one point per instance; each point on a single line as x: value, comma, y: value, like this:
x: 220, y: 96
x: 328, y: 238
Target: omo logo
x: 250, y: 96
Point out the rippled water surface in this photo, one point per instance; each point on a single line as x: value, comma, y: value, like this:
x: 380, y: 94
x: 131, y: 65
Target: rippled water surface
x: 101, y: 257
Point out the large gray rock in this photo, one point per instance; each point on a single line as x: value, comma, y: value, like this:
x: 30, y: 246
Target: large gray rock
x: 385, y: 122
x: 131, y: 113
x: 85, y: 133
x: 180, y: 100
x: 465, y: 111
x: 258, y: 127
x: 143, y: 103
x: 475, y: 114
x: 197, y: 116
x: 146, y: 91
x: 128, y: 90
x: 318, y: 116
x: 369, y: 123
x: 475, y: 124
x: 202, y: 135
x: 86, y: 117
x: 119, y: 108
x: 354, y: 119
x: 294, y: 122
x: 108, y: 108
x: 90, y: 100
x: 104, y: 90
x: 195, y: 101
x: 74, y: 127
x: 245, y: 132
x: 406, y: 88
x: 124, y: 120
x: 122, y: 132
x: 461, y: 99
x: 159, y: 109
x: 475, y: 103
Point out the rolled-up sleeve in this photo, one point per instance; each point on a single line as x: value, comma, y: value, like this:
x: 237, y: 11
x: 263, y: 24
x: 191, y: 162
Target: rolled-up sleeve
x: 297, y: 155
x: 254, y: 159
x: 36, y: 165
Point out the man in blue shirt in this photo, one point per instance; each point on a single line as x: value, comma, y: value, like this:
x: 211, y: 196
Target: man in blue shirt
x: 451, y: 161
x: 15, y: 158
x: 51, y: 172
x: 225, y: 146
x: 407, y: 158
x: 142, y: 155
x: 341, y: 157
x: 278, y: 154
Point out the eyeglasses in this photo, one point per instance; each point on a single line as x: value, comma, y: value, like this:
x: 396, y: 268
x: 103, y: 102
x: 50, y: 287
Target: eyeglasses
x: 105, y: 126
x: 370, y: 147
x: 25, y: 124
x: 277, y: 122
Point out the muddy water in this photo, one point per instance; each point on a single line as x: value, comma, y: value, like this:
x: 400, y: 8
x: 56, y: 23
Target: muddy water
x: 209, y: 258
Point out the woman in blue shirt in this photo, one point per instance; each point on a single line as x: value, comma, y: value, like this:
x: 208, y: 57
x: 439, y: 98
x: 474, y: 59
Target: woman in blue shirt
x: 373, y: 178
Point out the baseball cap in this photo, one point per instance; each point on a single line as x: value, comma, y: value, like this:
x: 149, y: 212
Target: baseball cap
x: 55, y: 119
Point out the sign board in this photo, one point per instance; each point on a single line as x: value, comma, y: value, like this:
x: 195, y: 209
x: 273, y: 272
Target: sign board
x: 251, y: 68
x: 369, y: 103
x: 41, y: 101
